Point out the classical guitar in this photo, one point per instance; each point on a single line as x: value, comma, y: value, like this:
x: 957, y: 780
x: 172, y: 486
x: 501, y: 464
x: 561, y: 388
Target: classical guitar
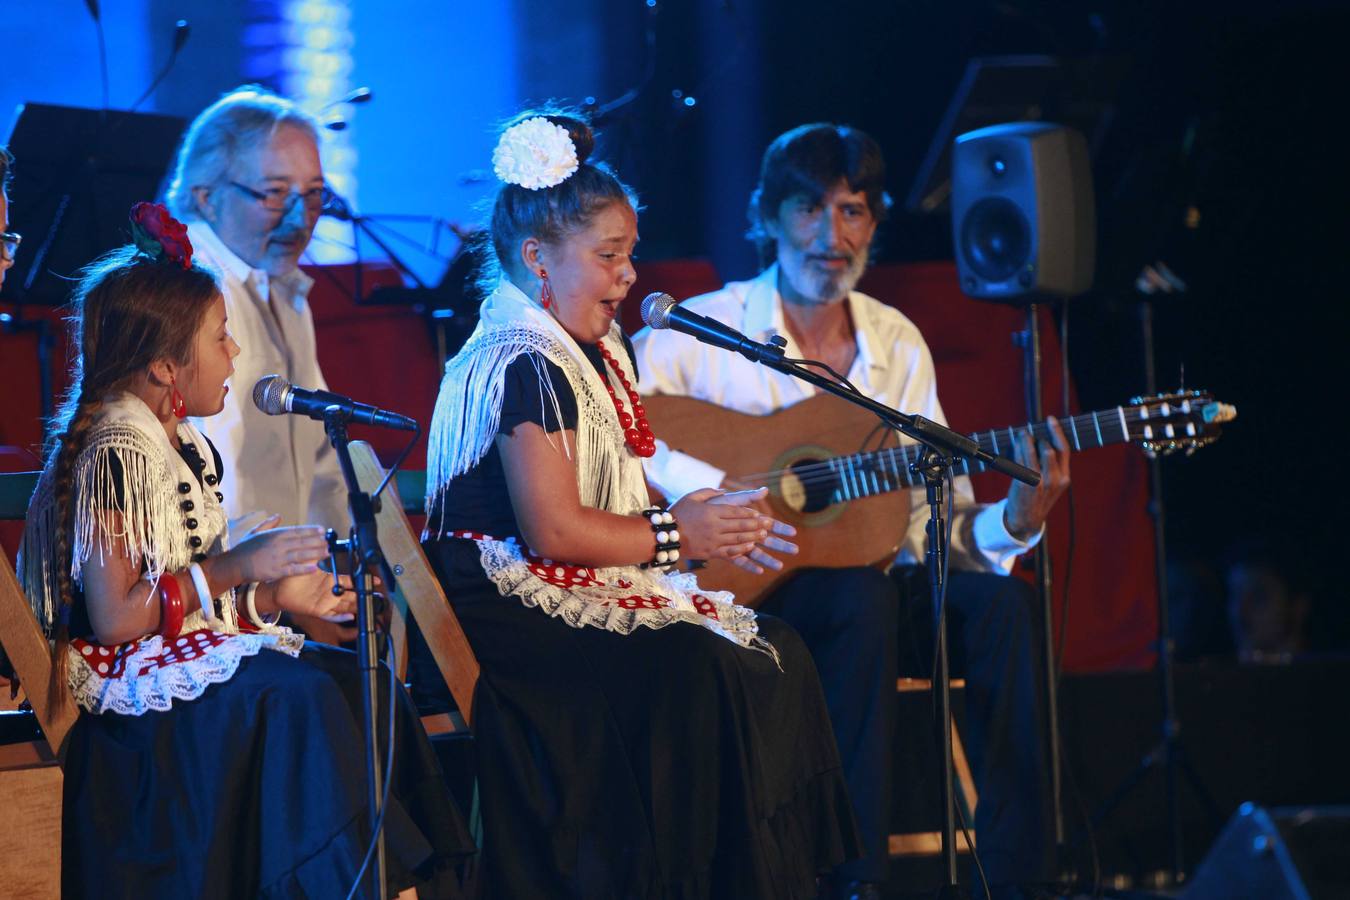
x: 840, y: 480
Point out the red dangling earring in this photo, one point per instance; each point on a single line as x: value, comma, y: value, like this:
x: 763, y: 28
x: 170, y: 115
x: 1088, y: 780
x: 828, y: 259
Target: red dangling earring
x: 176, y: 400
x: 545, y: 290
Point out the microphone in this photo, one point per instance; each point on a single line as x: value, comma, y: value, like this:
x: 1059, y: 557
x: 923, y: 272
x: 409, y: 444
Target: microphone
x: 335, y: 121
x: 181, y: 30
x: 276, y: 396
x: 661, y: 311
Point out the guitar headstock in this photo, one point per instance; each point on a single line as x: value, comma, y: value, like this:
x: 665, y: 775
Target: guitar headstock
x: 1184, y: 420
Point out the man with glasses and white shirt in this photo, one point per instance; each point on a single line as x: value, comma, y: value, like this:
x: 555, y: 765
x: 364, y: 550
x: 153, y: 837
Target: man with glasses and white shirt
x: 250, y: 186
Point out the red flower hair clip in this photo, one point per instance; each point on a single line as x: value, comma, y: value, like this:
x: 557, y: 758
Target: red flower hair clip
x: 160, y: 235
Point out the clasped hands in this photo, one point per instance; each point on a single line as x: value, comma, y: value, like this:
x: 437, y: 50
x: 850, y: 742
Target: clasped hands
x: 730, y: 525
x: 286, y: 563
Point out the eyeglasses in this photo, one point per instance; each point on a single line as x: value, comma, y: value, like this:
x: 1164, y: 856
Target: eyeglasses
x: 280, y: 200
x: 9, y: 245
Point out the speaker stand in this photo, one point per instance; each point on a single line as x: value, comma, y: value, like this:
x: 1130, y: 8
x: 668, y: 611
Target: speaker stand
x: 1030, y: 342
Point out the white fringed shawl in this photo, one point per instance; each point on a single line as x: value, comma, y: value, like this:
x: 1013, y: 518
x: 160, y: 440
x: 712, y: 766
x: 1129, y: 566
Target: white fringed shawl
x: 469, y: 406
x: 148, y: 522
x: 609, y: 477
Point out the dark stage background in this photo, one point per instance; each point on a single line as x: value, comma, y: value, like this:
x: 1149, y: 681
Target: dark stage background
x: 1231, y: 110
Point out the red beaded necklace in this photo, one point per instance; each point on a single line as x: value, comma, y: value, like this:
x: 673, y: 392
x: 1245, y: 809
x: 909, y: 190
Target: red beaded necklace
x: 636, y: 434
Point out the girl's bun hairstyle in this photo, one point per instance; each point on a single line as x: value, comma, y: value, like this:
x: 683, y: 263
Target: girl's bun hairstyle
x: 550, y: 214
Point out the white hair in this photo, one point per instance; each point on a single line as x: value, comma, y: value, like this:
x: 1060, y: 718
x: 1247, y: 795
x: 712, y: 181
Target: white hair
x: 245, y: 117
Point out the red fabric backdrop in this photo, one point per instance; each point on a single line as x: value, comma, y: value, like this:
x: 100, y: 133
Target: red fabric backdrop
x: 386, y: 356
x: 1112, y: 615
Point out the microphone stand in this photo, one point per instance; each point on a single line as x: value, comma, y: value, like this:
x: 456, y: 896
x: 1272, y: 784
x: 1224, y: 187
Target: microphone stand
x: 364, y: 555
x: 942, y: 447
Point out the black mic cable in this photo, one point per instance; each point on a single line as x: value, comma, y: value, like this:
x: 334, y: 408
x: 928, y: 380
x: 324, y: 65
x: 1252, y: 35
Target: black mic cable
x: 181, y: 31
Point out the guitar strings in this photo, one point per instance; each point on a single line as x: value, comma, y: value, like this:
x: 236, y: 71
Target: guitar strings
x: 869, y: 464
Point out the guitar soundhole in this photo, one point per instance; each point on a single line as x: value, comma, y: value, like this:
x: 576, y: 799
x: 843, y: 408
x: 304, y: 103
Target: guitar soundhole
x: 807, y: 486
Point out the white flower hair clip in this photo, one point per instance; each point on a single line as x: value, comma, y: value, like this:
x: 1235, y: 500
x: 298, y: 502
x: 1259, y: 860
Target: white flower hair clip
x: 535, y: 154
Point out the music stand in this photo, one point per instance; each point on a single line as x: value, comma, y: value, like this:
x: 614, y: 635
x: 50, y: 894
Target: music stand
x: 1079, y: 93
x: 78, y: 171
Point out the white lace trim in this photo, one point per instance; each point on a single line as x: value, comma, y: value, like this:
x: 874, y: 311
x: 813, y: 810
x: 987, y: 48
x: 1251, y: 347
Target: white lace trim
x: 134, y: 694
x: 609, y: 597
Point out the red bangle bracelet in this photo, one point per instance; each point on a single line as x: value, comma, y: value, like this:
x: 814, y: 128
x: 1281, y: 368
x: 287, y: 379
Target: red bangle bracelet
x: 170, y: 606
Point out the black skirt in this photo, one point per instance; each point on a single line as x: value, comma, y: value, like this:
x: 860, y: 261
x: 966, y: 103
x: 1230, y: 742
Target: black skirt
x: 255, y: 789
x: 667, y: 763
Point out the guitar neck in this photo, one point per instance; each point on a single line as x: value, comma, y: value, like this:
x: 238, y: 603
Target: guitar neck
x: 879, y: 471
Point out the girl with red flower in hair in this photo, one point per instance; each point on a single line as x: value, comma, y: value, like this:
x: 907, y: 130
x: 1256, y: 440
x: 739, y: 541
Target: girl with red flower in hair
x: 216, y: 755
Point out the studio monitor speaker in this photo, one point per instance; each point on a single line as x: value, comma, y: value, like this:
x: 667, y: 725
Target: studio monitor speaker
x: 1290, y: 853
x: 1023, y: 217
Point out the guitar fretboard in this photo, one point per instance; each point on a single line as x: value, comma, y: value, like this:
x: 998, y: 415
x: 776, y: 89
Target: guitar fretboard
x: 874, y: 472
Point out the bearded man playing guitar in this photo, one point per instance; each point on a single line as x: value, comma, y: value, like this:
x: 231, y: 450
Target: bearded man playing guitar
x: 814, y: 214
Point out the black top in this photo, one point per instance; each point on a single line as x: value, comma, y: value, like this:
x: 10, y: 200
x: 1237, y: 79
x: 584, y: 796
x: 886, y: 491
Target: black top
x: 479, y: 500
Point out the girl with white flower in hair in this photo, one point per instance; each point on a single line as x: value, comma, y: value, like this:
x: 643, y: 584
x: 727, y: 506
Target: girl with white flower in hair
x: 639, y: 736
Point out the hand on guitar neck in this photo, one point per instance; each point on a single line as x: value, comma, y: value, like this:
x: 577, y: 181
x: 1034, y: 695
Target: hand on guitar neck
x: 1028, y: 507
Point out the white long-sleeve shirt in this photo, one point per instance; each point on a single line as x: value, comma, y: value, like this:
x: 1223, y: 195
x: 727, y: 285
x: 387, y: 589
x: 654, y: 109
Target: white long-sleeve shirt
x: 893, y: 366
x: 273, y: 464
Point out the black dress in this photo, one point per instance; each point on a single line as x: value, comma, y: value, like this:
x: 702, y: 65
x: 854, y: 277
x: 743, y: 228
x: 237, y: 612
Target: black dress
x: 666, y: 763
x: 254, y: 789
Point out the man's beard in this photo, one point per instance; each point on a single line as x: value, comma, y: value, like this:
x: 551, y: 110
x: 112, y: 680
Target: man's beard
x: 825, y: 287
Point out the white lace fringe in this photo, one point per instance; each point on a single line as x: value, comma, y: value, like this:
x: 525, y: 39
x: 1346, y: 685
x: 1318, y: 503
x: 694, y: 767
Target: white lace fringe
x: 596, y: 607
x: 134, y: 694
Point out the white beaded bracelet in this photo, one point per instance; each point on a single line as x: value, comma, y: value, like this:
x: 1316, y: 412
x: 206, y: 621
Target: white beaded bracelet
x: 667, y: 534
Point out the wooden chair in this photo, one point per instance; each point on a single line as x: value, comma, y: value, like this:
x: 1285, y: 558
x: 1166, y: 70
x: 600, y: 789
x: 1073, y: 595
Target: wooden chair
x: 929, y: 843
x: 419, y: 591
x: 30, y: 772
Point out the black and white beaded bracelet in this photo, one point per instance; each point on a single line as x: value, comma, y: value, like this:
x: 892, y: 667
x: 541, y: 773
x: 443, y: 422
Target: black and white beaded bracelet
x: 667, y: 534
